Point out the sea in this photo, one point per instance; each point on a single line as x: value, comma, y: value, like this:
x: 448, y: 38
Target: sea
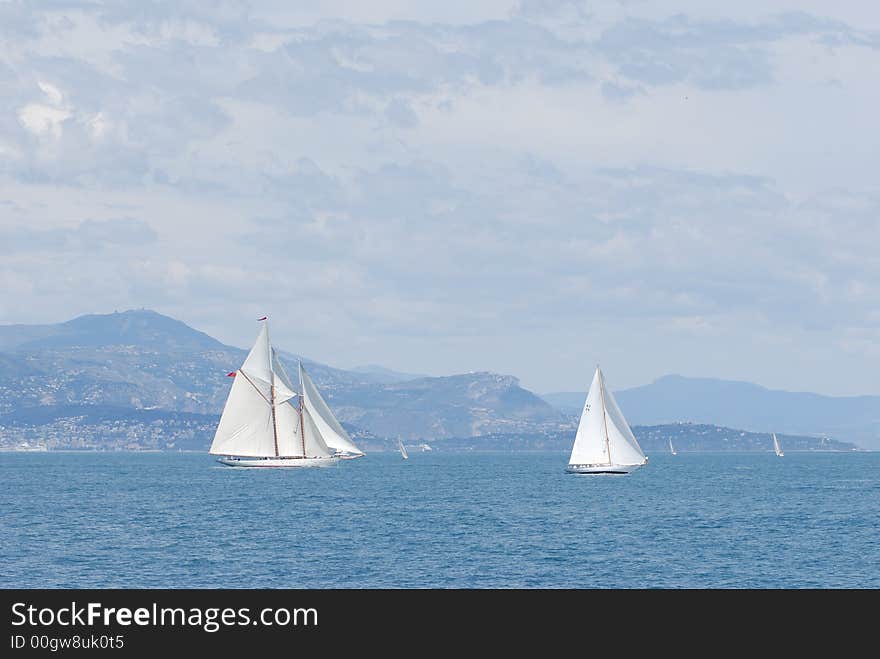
x: 439, y: 520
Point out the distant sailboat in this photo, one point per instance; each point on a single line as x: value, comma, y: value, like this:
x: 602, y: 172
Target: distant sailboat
x: 402, y: 449
x: 672, y: 448
x: 604, y: 443
x: 262, y: 426
x: 776, y: 448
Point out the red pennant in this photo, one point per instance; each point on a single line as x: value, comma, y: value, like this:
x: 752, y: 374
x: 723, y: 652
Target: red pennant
x: 263, y: 318
x: 231, y: 375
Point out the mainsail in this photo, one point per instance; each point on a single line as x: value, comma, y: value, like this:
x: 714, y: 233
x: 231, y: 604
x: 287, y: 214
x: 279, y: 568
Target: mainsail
x: 246, y: 427
x: 260, y: 418
x: 603, y: 435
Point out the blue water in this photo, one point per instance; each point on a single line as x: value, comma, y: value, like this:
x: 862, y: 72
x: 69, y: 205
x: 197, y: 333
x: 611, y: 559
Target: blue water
x: 467, y: 520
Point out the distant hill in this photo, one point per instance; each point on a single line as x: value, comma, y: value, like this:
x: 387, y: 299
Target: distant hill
x: 141, y: 360
x: 686, y: 437
x: 569, y: 402
x: 454, y: 406
x: 144, y: 329
x: 743, y: 405
x: 110, y: 428
x: 385, y: 375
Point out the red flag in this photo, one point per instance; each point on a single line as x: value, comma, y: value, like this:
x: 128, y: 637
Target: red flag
x: 263, y: 318
x: 231, y: 375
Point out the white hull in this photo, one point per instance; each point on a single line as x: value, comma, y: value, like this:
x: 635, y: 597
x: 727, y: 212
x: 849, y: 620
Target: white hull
x: 601, y: 469
x: 278, y: 463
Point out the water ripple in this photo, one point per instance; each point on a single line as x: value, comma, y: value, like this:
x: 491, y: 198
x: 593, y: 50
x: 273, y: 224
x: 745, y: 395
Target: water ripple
x: 439, y: 520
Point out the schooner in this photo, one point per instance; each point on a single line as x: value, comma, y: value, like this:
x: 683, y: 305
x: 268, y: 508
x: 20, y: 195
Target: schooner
x: 268, y: 422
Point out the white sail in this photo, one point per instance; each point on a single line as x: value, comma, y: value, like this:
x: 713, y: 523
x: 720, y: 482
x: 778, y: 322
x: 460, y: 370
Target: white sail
x: 776, y: 448
x: 671, y: 448
x: 590, y: 445
x: 603, y: 435
x: 330, y: 429
x: 258, y: 363
x: 315, y: 444
x: 290, y: 439
x: 287, y: 425
x: 265, y: 417
x: 246, y: 427
x: 284, y: 389
x: 625, y: 450
x: 402, y: 449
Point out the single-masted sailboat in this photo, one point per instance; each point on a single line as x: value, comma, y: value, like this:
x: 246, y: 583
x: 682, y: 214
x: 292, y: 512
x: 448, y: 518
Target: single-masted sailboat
x: 604, y: 443
x: 776, y: 448
x: 266, y: 422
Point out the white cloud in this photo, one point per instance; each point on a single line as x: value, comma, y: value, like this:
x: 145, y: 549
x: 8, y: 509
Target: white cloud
x: 46, y: 119
x: 52, y: 93
x: 43, y: 119
x: 524, y: 187
x: 98, y: 125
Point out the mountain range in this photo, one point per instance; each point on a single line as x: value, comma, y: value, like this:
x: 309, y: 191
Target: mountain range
x: 139, y: 374
x: 142, y: 360
x: 674, y: 398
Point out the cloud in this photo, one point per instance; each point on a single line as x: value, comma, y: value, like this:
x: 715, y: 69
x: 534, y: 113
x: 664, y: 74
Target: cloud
x: 524, y: 187
x: 399, y: 113
x: 617, y: 92
x: 714, y: 54
x: 87, y: 236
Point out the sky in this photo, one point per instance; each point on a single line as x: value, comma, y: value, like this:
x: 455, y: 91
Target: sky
x: 525, y: 187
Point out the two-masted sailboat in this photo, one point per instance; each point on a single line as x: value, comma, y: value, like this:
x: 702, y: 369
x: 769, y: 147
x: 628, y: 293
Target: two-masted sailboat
x: 776, y: 449
x: 268, y: 422
x: 604, y: 443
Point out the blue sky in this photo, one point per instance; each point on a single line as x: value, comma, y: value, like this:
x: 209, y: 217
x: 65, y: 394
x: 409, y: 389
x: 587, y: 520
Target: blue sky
x: 524, y: 187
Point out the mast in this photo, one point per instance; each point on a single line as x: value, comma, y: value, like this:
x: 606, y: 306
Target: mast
x: 302, y: 395
x: 272, y: 389
x: 604, y: 418
x: 274, y: 422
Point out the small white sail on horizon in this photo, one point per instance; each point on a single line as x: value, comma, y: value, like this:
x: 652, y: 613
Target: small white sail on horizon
x: 672, y: 448
x: 776, y: 448
x: 402, y: 449
x: 267, y: 423
x: 604, y: 443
